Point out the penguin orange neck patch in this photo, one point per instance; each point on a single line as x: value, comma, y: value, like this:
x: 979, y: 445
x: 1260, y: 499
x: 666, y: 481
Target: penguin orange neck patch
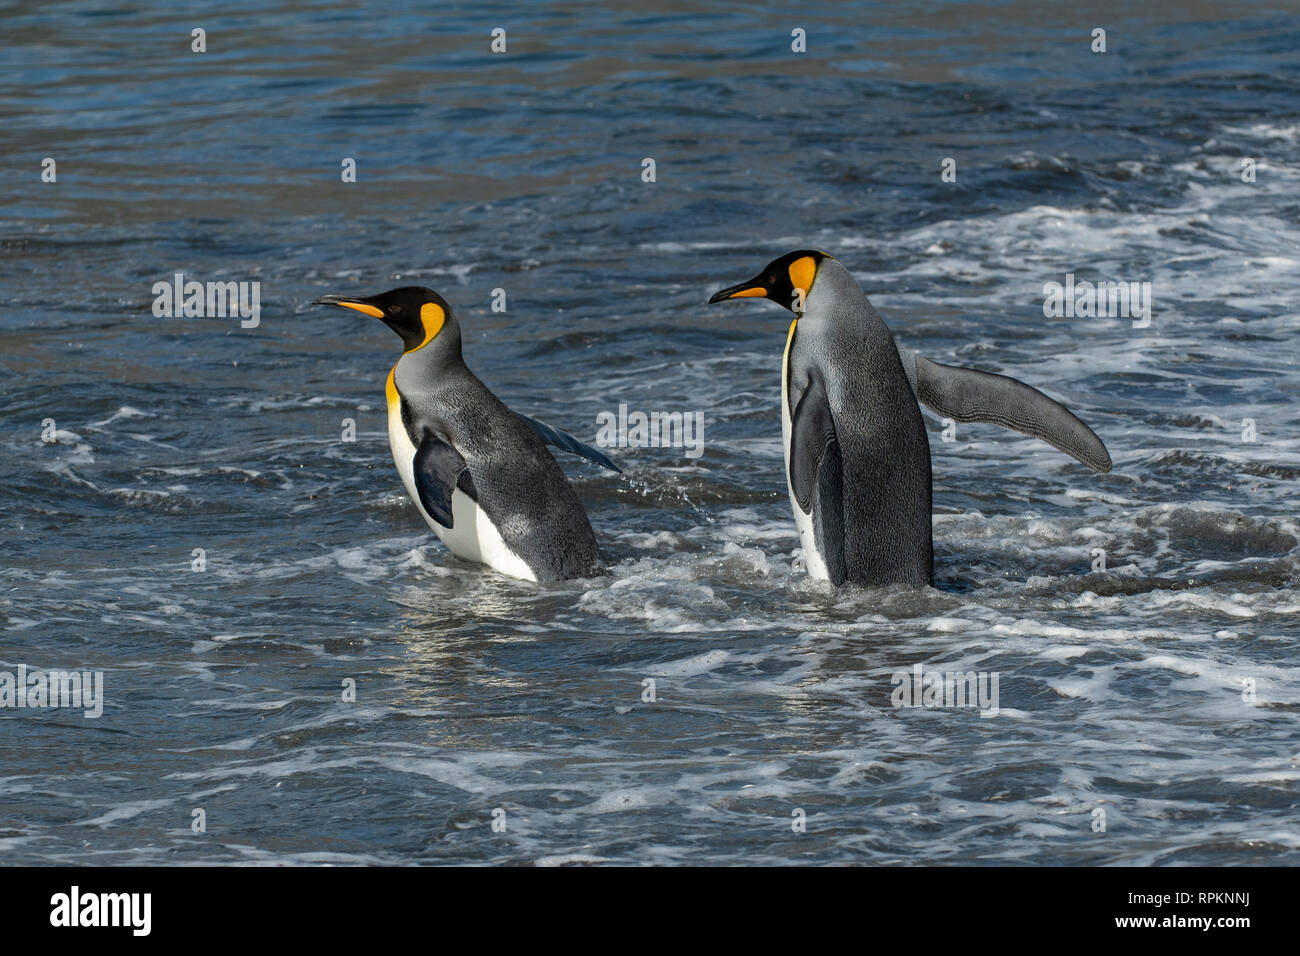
x: 390, y: 388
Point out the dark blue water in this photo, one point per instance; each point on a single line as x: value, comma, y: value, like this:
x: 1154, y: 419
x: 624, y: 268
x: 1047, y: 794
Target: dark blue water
x: 1163, y: 690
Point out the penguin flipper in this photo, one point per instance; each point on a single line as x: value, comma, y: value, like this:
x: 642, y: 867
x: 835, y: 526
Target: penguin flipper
x: 968, y: 395
x: 439, y: 469
x: 553, y: 436
x: 816, y: 471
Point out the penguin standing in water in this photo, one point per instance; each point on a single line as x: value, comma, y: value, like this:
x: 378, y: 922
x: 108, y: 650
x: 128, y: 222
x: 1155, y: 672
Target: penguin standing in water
x: 857, y: 459
x: 479, y: 473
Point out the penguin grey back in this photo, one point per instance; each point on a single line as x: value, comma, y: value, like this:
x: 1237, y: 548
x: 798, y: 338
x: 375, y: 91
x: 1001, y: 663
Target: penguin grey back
x: 519, y: 484
x: 874, y: 525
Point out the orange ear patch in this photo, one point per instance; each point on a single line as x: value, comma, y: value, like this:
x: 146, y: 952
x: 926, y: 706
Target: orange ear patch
x: 802, y: 273
x: 433, y: 319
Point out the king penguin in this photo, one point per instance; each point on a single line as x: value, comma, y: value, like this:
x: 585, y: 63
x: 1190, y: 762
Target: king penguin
x: 478, y: 473
x: 857, y: 459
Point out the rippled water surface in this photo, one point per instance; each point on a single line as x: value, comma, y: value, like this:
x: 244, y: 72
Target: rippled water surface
x: 1127, y: 690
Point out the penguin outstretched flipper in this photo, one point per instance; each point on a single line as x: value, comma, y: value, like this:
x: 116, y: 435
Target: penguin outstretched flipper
x: 553, y: 436
x: 816, y: 475
x: 968, y: 395
x: 438, y: 470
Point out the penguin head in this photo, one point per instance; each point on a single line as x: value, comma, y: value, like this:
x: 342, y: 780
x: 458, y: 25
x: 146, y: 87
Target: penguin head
x: 417, y: 314
x: 786, y: 281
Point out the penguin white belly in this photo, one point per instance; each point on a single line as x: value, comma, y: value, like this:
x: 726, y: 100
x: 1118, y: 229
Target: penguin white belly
x: 473, y: 535
x: 812, y: 558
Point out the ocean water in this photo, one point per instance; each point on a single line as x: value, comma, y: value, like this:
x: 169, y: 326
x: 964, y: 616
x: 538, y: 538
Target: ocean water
x: 1163, y: 691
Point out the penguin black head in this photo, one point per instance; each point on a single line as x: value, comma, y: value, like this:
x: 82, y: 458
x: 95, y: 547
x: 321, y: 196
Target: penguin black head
x: 786, y: 281
x: 415, y: 313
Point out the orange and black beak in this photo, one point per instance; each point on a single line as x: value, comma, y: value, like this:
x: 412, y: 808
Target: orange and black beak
x: 360, y: 303
x: 377, y: 307
x: 755, y: 288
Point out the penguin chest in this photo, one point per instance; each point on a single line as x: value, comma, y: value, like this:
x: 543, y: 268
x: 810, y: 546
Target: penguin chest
x: 473, y: 534
x: 814, y: 560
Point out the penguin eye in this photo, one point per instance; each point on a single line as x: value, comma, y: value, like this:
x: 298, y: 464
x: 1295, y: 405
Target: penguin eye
x: 394, y: 309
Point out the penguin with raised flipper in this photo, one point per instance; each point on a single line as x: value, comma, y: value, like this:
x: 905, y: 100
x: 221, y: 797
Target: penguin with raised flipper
x: 857, y: 458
